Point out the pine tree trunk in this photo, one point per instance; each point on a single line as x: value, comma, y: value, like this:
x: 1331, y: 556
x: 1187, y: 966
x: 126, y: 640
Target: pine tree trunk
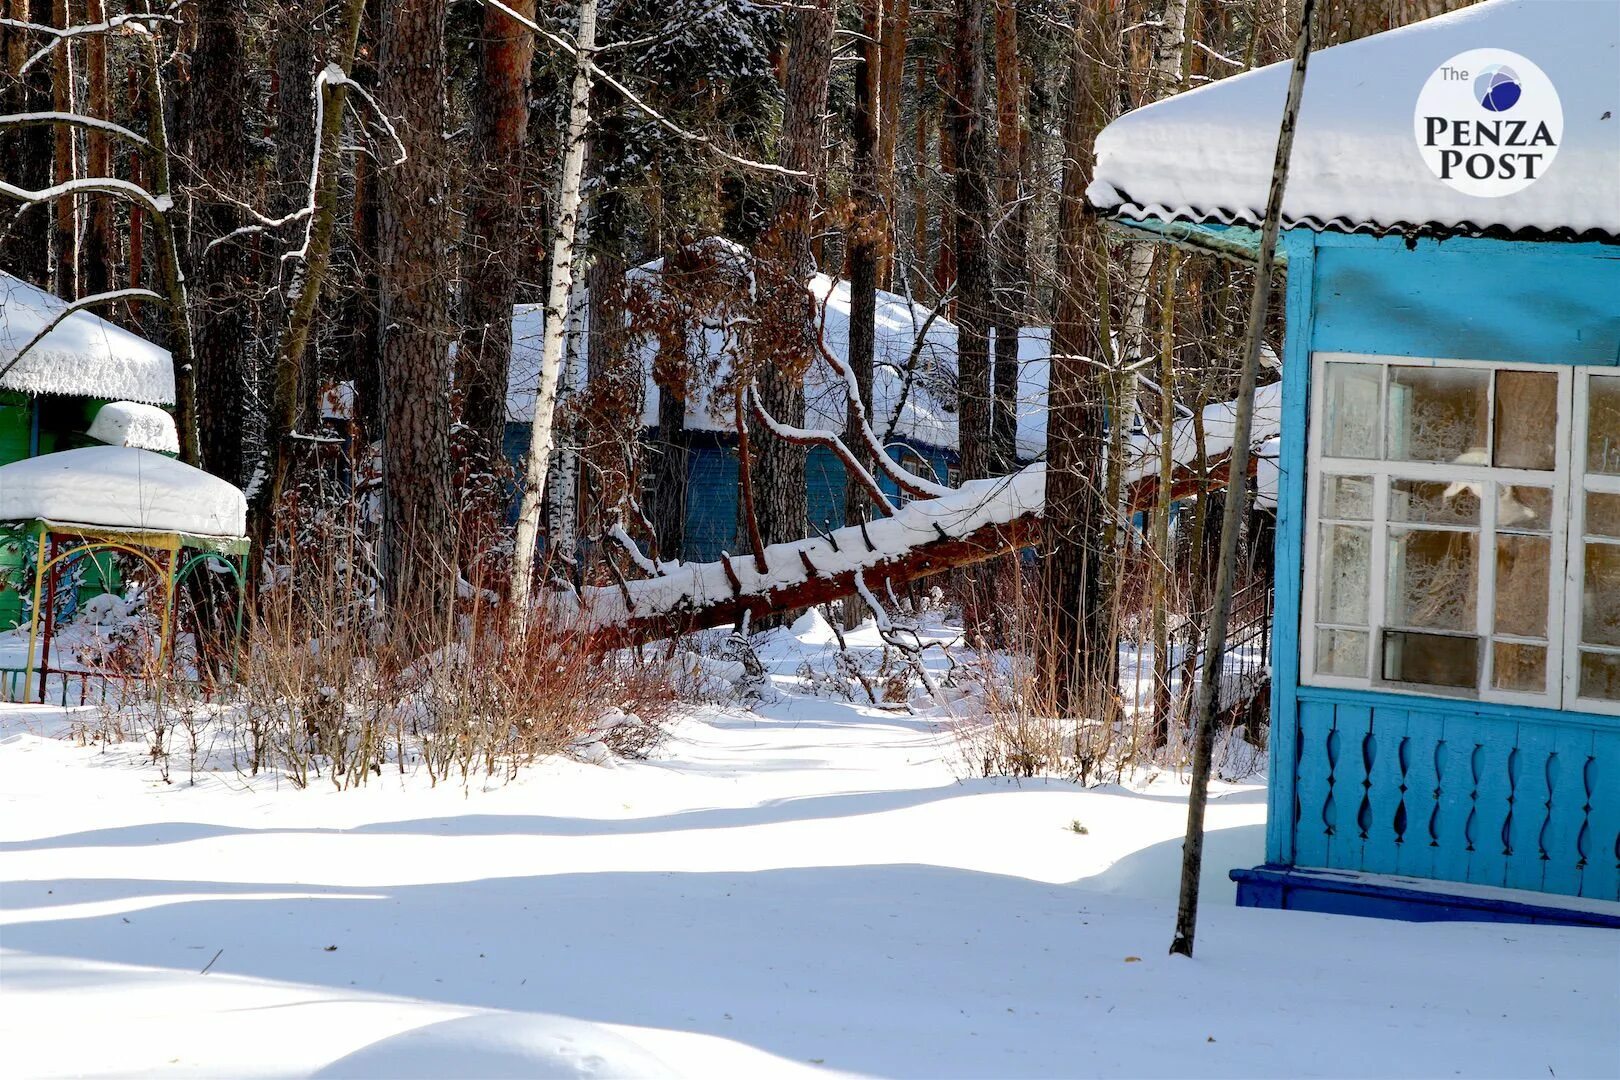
x: 1012, y: 154
x: 418, y: 527
x: 217, y: 104
x: 64, y: 228
x: 867, y: 242
x: 896, y: 21
x: 1078, y: 643
x: 976, y: 298
x: 27, y: 150
x: 779, y: 495
x: 100, y: 249
x: 494, y: 214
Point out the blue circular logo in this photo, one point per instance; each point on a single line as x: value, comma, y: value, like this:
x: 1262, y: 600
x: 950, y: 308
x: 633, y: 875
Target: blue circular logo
x: 1497, y: 88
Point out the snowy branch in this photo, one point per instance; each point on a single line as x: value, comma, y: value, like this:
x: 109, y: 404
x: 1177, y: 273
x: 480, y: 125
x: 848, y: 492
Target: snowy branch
x: 77, y: 305
x: 808, y: 436
x: 134, y: 20
x: 158, y: 204
x: 647, y: 110
x: 76, y: 120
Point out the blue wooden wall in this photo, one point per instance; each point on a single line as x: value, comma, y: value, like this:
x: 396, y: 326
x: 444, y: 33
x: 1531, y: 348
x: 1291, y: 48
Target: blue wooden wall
x: 1404, y: 784
x: 712, y: 491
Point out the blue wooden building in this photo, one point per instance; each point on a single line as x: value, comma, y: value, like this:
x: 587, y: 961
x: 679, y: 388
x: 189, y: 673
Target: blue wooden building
x: 915, y: 417
x: 1445, y: 736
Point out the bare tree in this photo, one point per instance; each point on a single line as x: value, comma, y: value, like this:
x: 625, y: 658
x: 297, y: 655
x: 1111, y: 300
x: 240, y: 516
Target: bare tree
x: 967, y: 109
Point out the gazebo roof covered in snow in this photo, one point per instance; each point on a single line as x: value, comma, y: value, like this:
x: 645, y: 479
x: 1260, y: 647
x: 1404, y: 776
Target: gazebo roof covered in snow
x: 122, y: 488
x: 1206, y: 156
x: 82, y: 355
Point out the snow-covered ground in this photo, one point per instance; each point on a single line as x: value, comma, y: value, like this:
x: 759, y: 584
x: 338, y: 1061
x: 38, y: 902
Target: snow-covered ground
x: 808, y: 889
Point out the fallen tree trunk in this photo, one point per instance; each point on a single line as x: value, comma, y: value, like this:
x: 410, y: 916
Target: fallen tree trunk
x: 980, y: 521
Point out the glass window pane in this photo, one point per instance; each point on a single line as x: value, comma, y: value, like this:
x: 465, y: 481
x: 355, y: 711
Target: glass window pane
x: 1430, y: 659
x: 1526, y: 420
x: 1600, y: 676
x: 1522, y: 566
x: 1600, y: 606
x: 1525, y: 508
x: 1519, y: 667
x: 1433, y: 579
x: 1342, y: 652
x: 1602, y: 514
x: 1438, y: 414
x: 1346, y: 575
x: 1603, y: 425
x: 1434, y: 502
x: 1351, y: 413
x: 1347, y: 497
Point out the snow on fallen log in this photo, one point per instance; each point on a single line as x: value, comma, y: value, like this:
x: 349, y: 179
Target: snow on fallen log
x: 976, y: 522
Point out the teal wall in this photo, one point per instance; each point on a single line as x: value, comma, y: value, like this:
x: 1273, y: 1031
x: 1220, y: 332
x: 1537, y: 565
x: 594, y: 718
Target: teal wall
x: 1433, y: 787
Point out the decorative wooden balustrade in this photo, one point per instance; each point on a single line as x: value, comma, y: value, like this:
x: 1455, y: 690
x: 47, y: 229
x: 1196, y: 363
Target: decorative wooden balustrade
x: 1459, y: 792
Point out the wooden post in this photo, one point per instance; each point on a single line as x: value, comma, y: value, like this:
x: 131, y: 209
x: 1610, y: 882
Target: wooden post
x: 1204, y: 701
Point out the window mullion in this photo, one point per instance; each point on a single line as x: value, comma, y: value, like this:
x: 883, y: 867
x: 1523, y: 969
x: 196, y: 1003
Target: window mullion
x: 1377, y: 571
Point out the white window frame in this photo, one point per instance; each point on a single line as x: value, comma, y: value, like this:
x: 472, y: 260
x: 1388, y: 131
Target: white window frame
x: 1567, y: 481
x: 1580, y: 483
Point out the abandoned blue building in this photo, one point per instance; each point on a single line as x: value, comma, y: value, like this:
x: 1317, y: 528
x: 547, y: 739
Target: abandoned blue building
x: 1445, y: 737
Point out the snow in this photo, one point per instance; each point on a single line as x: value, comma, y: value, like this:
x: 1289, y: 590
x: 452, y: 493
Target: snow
x: 131, y: 423
x: 926, y: 416
x: 121, y: 487
x: 1206, y: 155
x: 813, y: 889
x: 1220, y: 420
x: 83, y: 355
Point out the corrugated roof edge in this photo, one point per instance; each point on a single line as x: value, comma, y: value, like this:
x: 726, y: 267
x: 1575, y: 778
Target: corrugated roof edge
x: 1127, y: 210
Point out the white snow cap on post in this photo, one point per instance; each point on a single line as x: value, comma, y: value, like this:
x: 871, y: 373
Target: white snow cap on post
x: 82, y: 355
x: 130, y: 423
x: 1206, y: 155
x: 121, y: 487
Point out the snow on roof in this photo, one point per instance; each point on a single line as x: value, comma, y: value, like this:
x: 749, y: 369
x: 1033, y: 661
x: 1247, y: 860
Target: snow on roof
x: 130, y: 423
x: 121, y: 487
x: 1206, y: 155
x: 1220, y: 419
x: 923, y: 416
x: 83, y: 355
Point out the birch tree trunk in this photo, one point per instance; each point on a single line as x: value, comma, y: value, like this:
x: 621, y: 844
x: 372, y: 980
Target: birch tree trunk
x: 541, y: 440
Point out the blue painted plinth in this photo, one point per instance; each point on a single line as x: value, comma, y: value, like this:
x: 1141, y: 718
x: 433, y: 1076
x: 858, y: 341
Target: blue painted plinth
x: 1382, y: 896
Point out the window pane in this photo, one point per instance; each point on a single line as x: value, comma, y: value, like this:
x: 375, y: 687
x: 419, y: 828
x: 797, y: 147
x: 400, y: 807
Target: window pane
x: 1438, y: 414
x: 1431, y: 659
x: 1434, y: 502
x: 1520, y: 507
x: 1432, y: 579
x: 1522, y: 566
x: 1526, y: 420
x: 1351, y: 411
x: 1342, y: 652
x: 1347, y: 497
x: 1600, y: 676
x: 1600, y: 607
x: 1346, y: 574
x: 1603, y: 425
x: 1602, y: 514
x: 1519, y: 667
